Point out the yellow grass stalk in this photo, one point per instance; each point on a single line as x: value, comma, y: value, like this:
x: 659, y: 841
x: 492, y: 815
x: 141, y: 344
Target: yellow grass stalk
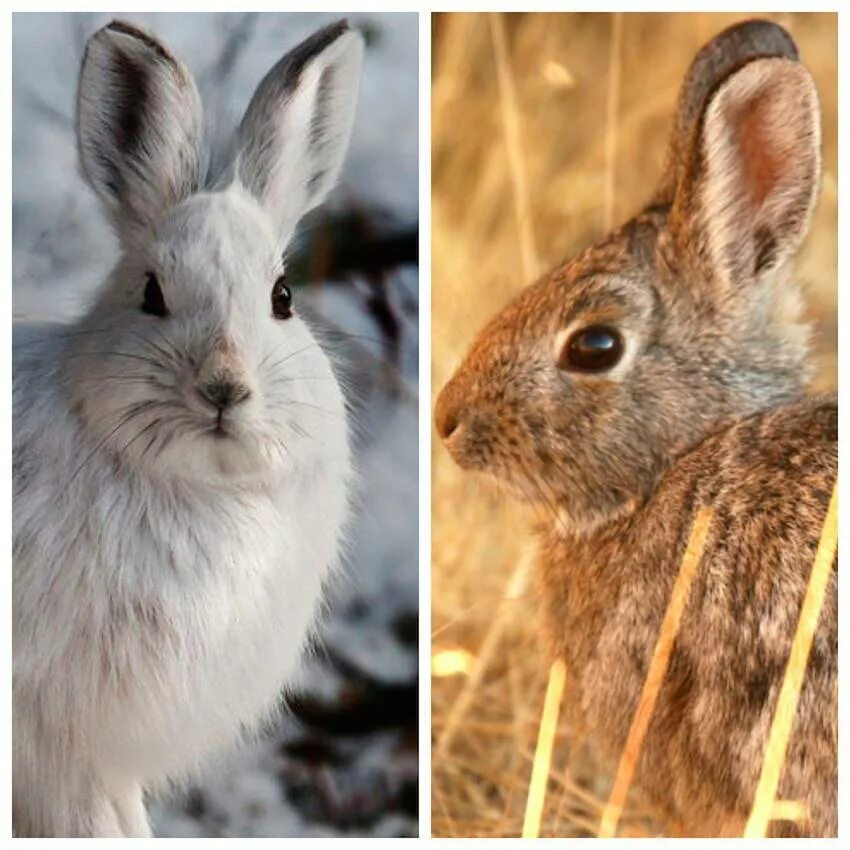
x: 543, y: 752
x: 612, y: 118
x: 789, y: 810
x: 789, y: 695
x: 655, y: 675
x: 511, y: 125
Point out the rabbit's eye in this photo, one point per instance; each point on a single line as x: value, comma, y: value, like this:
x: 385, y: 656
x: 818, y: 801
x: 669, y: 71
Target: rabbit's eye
x: 593, y: 349
x: 154, y: 302
x: 281, y: 299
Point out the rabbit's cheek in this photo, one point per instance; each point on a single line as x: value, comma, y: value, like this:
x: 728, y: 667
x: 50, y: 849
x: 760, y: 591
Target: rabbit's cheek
x: 483, y: 443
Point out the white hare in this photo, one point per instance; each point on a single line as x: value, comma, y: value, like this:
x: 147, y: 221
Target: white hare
x: 181, y: 461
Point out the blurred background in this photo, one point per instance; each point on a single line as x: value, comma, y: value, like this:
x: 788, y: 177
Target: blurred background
x: 586, y: 103
x: 344, y: 759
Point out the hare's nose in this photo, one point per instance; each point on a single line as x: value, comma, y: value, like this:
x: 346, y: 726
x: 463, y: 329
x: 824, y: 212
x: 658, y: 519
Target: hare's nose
x: 222, y: 381
x: 222, y: 393
x: 447, y: 413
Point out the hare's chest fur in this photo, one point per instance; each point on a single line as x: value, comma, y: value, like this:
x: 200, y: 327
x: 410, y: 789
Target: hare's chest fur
x: 168, y: 618
x: 231, y: 617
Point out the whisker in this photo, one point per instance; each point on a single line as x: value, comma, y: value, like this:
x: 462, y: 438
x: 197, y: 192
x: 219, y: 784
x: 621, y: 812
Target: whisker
x: 298, y: 430
x: 150, y: 443
x: 290, y: 378
x: 141, y: 433
x: 124, y: 354
x: 138, y: 379
x: 166, y: 354
x: 136, y: 410
x: 291, y: 402
x: 176, y: 352
x: 321, y: 332
x: 269, y: 354
x: 291, y: 355
x: 325, y: 346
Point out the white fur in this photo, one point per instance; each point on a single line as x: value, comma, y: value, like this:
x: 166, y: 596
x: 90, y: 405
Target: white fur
x: 301, y: 174
x: 165, y: 579
x: 170, y: 124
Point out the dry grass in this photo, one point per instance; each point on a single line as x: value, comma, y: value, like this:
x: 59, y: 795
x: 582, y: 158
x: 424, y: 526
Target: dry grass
x: 590, y: 121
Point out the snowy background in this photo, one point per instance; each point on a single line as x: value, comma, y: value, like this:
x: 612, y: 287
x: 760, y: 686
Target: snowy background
x: 344, y: 759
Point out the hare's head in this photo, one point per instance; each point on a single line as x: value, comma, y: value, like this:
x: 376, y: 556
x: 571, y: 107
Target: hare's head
x: 586, y: 387
x: 194, y: 356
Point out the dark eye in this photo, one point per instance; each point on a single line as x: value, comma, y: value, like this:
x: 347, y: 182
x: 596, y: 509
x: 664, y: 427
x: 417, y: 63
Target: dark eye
x: 281, y: 299
x: 594, y: 349
x: 154, y: 303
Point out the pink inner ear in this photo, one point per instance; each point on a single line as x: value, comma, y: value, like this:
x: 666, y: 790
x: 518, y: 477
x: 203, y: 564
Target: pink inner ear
x: 763, y: 148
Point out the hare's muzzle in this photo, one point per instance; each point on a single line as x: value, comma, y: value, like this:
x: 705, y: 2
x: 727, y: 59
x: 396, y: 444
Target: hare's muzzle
x: 446, y: 415
x: 222, y: 381
x: 451, y: 415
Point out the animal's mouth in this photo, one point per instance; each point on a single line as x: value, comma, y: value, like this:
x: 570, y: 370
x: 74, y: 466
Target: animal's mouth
x: 220, y: 430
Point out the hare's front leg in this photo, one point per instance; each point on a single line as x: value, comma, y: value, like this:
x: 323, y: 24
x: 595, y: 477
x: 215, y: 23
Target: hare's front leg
x: 93, y: 815
x: 59, y: 804
x: 132, y: 814
x: 64, y: 809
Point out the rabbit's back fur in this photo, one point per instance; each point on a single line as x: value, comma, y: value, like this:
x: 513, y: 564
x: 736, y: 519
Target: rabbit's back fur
x: 605, y: 595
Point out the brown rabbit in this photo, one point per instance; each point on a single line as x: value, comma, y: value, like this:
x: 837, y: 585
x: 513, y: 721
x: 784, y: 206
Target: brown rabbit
x: 664, y: 369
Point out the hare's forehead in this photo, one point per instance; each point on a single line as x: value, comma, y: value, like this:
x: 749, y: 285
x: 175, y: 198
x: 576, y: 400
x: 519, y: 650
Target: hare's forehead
x: 602, y: 296
x: 223, y: 230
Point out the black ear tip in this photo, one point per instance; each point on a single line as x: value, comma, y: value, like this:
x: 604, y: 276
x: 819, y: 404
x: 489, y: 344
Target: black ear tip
x: 312, y: 46
x: 125, y: 28
x: 332, y: 32
x: 755, y: 38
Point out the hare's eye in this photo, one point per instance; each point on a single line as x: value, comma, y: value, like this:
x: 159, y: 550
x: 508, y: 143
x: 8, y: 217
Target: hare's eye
x: 281, y: 299
x: 154, y: 302
x: 592, y: 349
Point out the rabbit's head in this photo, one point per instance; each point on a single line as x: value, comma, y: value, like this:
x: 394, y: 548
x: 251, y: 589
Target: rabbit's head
x: 587, y: 386
x: 194, y: 358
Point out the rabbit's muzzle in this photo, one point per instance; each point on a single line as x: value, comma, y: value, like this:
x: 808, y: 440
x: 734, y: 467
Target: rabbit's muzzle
x: 222, y: 392
x: 447, y: 413
x: 221, y: 382
x: 462, y: 427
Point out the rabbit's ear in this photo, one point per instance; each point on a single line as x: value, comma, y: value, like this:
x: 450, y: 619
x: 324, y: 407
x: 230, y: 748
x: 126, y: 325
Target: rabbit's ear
x: 748, y: 182
x: 139, y: 125
x: 293, y: 137
x: 727, y: 52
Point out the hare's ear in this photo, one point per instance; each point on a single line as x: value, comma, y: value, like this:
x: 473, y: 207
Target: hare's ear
x: 750, y: 180
x: 726, y: 53
x: 139, y: 125
x: 743, y: 163
x: 293, y: 137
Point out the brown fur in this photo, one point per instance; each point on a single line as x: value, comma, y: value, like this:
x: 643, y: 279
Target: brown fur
x: 706, y: 407
x: 769, y: 481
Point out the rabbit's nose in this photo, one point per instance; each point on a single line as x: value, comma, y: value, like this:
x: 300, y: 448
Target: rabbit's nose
x: 222, y: 381
x: 223, y: 393
x: 447, y: 413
